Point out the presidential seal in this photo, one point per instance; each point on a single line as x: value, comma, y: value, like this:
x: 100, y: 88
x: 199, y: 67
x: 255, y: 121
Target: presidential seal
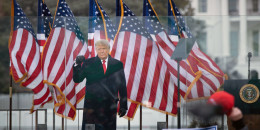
x: 249, y: 93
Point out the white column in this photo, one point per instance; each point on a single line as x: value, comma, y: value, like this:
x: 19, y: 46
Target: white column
x: 225, y: 28
x: 242, y: 32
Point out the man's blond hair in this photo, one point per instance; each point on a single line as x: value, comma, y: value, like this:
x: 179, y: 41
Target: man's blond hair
x: 102, y: 42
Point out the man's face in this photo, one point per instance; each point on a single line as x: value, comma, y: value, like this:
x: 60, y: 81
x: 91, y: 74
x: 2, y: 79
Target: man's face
x: 102, y: 51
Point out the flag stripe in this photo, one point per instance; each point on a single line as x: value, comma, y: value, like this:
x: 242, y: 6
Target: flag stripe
x: 41, y: 98
x: 205, y: 59
x: 129, y: 58
x: 37, y: 78
x: 141, y: 57
x: 131, y: 110
x: 165, y: 91
x: 120, y: 45
x: 32, y: 56
x: 167, y: 48
x: 113, y: 52
x: 170, y: 97
x: 158, y: 96
x: 175, y: 100
x: 134, y: 65
x: 19, y: 52
x: 155, y: 80
x: 57, y: 50
x: 144, y: 73
x: 184, y: 69
x: 69, y: 48
x: 47, y: 51
x: 125, y: 47
x: 152, y: 75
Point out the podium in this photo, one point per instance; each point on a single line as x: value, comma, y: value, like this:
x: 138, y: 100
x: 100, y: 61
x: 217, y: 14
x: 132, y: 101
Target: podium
x: 246, y: 93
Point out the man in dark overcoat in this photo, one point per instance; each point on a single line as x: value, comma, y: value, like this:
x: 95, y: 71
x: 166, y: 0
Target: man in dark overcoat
x: 105, y: 85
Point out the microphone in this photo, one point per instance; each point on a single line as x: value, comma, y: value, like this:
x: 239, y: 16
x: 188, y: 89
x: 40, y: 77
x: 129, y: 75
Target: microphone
x: 249, y: 55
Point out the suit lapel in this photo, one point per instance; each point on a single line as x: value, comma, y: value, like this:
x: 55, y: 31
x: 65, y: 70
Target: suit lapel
x: 98, y: 61
x: 99, y: 65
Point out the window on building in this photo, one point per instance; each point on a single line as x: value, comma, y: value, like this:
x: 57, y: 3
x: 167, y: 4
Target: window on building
x: 203, y: 6
x: 202, y: 41
x: 255, y: 5
x: 234, y: 43
x: 255, y: 43
x: 232, y: 6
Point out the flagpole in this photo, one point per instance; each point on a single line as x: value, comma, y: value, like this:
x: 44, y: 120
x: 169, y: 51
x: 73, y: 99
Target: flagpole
x: 62, y: 123
x: 178, y: 103
x: 39, y: 23
x: 64, y: 127
x: 53, y: 119
x: 11, y: 78
x: 36, y: 119
x: 140, y: 117
x: 10, y: 107
x: 128, y: 124
x: 63, y: 118
x: 167, y: 120
x: 118, y: 10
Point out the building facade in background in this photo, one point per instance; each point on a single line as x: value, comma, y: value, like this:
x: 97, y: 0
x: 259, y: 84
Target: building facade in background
x: 232, y: 29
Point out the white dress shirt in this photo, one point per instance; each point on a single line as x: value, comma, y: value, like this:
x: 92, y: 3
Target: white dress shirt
x: 106, y: 62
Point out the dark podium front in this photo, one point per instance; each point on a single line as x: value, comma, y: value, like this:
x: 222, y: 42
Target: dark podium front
x: 246, y: 93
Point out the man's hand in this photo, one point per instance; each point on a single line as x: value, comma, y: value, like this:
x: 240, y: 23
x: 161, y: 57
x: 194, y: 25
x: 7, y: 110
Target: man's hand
x: 236, y: 114
x: 236, y: 118
x: 122, y: 112
x: 79, y: 59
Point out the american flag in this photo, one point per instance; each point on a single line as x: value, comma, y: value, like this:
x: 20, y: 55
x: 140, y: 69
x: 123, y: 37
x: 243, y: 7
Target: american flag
x: 44, y: 23
x: 100, y: 26
x: 187, y: 76
x: 64, y: 44
x: 167, y: 46
x: 212, y: 76
x: 25, y: 57
x: 147, y: 77
x: 177, y: 23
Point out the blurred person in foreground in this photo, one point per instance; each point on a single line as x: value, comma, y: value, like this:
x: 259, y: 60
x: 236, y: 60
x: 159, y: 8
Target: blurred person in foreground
x: 218, y: 104
x: 105, y: 80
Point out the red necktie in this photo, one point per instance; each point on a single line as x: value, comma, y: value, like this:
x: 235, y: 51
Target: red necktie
x: 104, y: 66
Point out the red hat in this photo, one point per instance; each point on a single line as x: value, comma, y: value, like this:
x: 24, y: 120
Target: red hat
x: 224, y: 99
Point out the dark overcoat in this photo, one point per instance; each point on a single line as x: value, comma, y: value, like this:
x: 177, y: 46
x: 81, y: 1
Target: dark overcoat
x: 100, y: 106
